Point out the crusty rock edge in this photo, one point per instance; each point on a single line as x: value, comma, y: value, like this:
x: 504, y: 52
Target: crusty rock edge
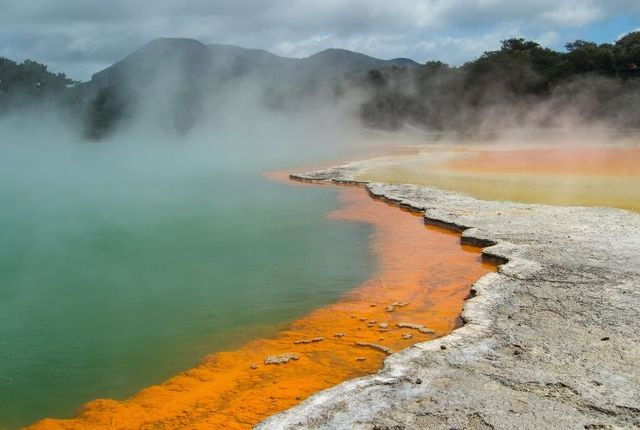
x: 494, y: 372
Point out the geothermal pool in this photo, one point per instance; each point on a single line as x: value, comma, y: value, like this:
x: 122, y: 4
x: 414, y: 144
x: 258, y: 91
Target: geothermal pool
x: 122, y: 267
x: 117, y: 273
x: 558, y: 174
x: 415, y: 293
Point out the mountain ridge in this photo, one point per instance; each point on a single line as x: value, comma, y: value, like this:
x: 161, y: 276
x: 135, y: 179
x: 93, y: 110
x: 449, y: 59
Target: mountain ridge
x: 198, y: 59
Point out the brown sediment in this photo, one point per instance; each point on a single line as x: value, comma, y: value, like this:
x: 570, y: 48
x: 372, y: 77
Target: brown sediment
x: 424, y: 275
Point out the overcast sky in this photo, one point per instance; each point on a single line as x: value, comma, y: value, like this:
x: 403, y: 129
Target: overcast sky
x: 81, y: 37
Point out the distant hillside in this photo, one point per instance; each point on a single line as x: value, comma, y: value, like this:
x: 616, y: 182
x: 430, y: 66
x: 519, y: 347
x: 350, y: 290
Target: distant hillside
x: 198, y: 63
x: 174, y: 83
x: 338, y: 61
x: 188, y: 60
x: 180, y: 73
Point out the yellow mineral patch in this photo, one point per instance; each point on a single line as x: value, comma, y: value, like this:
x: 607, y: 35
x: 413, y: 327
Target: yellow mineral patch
x: 587, y: 175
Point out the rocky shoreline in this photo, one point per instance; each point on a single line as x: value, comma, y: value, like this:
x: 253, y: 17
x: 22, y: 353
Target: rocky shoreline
x: 552, y: 340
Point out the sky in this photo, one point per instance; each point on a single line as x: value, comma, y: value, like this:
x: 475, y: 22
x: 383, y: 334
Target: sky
x: 80, y: 37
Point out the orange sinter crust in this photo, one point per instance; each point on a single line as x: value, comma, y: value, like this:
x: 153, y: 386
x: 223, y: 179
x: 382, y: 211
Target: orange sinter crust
x: 423, y: 270
x: 559, y: 161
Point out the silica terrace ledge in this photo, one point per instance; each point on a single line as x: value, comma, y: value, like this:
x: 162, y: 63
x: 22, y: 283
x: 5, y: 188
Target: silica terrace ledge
x: 550, y: 341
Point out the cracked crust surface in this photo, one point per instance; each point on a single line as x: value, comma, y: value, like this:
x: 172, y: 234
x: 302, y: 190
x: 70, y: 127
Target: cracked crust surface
x: 550, y: 341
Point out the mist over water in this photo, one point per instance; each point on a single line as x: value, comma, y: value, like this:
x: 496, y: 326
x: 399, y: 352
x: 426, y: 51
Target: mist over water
x: 127, y: 260
x: 137, y: 233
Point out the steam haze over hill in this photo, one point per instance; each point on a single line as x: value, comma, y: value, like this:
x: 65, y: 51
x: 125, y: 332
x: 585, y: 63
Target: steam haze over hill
x: 178, y: 84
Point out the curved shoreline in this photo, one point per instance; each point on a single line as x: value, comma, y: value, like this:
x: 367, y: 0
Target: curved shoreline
x: 550, y: 341
x: 335, y: 343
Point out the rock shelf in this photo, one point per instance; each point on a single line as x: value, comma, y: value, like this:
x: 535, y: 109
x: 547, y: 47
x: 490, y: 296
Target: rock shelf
x: 550, y: 341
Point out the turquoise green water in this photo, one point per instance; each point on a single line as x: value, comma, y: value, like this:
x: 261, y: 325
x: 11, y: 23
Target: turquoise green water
x: 120, y: 268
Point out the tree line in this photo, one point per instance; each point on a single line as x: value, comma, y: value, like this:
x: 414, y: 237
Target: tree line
x: 520, y: 83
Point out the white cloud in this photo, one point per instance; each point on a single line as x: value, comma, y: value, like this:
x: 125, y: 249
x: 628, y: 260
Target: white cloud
x: 301, y: 48
x: 82, y: 35
x: 574, y: 14
x: 621, y: 35
x: 457, y: 50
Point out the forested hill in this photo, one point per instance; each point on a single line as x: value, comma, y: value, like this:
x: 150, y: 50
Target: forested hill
x: 27, y: 82
x: 188, y: 62
x: 522, y: 83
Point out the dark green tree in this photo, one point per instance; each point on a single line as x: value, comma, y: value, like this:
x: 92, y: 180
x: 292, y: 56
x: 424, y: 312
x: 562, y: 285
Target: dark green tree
x: 627, y: 50
x: 589, y: 57
x: 105, y: 111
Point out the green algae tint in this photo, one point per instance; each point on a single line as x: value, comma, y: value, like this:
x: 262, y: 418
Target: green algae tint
x: 115, y: 274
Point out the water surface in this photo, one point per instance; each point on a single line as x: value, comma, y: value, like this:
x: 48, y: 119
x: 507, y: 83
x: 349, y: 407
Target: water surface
x: 423, y: 276
x: 121, y: 266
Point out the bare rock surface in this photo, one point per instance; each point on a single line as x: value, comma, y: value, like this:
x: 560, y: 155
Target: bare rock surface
x: 550, y: 341
x: 281, y: 359
x: 376, y: 346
